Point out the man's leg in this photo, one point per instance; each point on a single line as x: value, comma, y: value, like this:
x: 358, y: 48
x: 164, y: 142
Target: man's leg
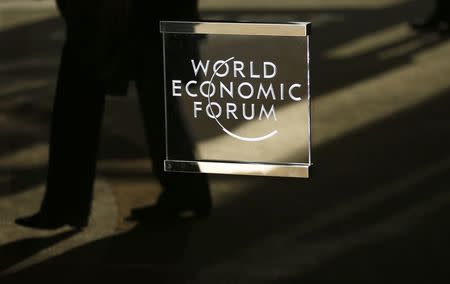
x: 75, y: 132
x: 75, y: 129
x: 181, y: 191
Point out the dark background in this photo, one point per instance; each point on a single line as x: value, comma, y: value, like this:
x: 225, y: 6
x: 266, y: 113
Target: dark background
x: 376, y: 209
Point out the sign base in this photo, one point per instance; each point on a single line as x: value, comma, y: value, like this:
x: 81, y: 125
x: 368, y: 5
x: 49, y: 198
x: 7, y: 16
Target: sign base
x: 238, y: 168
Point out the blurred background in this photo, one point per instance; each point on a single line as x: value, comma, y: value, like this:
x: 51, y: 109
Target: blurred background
x: 376, y: 209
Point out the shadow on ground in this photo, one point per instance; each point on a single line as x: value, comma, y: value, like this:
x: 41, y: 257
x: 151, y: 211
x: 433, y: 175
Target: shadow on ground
x: 375, y: 211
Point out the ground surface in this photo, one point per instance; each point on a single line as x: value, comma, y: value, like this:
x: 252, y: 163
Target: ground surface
x: 376, y: 209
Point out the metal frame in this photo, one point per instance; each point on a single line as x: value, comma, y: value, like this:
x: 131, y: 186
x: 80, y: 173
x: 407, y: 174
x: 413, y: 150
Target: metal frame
x: 238, y: 168
x: 293, y: 29
x: 264, y: 29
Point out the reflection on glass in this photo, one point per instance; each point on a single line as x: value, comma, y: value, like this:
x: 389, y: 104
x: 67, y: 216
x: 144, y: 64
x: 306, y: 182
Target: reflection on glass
x: 241, y: 96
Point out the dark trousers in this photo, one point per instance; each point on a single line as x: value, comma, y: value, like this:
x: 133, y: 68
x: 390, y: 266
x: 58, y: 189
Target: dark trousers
x: 75, y: 131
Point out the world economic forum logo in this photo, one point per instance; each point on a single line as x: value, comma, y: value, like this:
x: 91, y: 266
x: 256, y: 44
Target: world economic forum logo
x: 236, y: 90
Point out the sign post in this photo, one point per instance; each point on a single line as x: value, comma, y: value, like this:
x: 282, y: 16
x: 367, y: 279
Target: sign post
x: 237, y: 98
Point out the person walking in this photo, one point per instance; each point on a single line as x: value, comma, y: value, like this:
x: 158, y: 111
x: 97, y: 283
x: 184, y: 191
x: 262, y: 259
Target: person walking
x: 108, y: 43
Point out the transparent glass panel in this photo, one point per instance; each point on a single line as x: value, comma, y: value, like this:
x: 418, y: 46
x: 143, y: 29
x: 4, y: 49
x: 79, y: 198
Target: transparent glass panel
x: 237, y: 93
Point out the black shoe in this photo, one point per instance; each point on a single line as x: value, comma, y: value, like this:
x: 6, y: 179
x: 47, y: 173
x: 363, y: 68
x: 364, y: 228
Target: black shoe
x: 431, y: 24
x: 425, y: 25
x: 444, y: 28
x: 171, y: 209
x: 167, y: 213
x: 196, y: 204
x: 47, y: 222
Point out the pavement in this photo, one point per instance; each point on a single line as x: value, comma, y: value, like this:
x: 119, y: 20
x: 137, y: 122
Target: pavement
x: 376, y: 209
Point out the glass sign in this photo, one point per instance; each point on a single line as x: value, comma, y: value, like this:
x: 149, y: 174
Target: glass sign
x: 237, y: 98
